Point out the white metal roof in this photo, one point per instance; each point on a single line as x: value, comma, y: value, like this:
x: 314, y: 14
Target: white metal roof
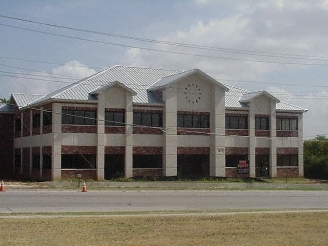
x: 141, y: 81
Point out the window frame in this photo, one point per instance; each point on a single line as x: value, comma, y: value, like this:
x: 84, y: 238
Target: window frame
x: 287, y: 160
x: 241, y: 122
x: 79, y: 117
x: 36, y: 120
x: 112, y: 118
x: 287, y: 124
x: 148, y: 119
x: 260, y: 125
x: 193, y: 120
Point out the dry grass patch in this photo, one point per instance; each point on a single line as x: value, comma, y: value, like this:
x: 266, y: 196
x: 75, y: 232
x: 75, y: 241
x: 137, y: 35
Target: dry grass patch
x: 238, y: 229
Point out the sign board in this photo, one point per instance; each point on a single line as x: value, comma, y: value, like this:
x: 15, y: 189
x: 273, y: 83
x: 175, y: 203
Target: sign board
x: 243, y: 167
x: 220, y: 150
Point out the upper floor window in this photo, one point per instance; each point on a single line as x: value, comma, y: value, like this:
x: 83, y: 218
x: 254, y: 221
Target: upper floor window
x: 114, y: 118
x: 193, y: 121
x: 236, y: 122
x: 287, y: 124
x: 148, y: 119
x: 262, y: 123
x: 47, y: 118
x: 36, y: 120
x: 18, y: 125
x: 79, y: 117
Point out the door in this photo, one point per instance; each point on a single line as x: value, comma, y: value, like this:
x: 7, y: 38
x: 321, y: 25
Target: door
x: 262, y: 166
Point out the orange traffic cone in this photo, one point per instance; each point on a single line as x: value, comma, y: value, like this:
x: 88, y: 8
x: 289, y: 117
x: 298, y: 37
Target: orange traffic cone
x: 84, y: 187
x: 2, y: 186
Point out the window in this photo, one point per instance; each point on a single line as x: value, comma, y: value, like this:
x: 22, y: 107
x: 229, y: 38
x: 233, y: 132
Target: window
x: 287, y: 124
x: 262, y: 123
x: 79, y: 117
x: 287, y: 160
x: 148, y: 119
x: 18, y: 125
x: 47, y: 118
x: 233, y: 160
x: 147, y: 161
x: 36, y: 120
x: 36, y: 161
x: 236, y: 122
x: 17, y: 161
x: 78, y: 161
x: 193, y: 121
x: 114, y: 118
x: 46, y: 161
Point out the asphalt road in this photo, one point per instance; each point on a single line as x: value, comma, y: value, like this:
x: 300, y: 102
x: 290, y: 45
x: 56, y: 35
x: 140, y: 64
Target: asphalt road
x: 32, y: 201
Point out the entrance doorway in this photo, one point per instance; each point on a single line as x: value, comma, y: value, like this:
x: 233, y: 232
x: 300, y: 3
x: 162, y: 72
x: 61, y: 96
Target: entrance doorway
x: 193, y: 166
x: 262, y: 166
x: 114, y: 166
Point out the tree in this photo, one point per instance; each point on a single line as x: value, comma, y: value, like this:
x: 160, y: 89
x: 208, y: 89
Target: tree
x: 3, y: 100
x: 316, y: 157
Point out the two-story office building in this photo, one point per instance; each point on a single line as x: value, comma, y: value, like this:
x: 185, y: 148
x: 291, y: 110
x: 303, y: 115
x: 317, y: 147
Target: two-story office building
x: 131, y: 121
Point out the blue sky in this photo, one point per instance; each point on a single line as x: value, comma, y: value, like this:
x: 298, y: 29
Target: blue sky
x: 279, y: 46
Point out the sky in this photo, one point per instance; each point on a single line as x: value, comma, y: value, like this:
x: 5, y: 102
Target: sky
x: 278, y: 46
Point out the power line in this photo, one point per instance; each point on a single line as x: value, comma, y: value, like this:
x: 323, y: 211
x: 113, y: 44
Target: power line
x: 165, y: 51
x: 163, y: 42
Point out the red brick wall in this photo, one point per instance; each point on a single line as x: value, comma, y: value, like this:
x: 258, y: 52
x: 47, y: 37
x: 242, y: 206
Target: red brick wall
x: 287, y: 172
x: 262, y: 151
x: 79, y: 129
x: 262, y: 133
x: 282, y: 134
x: 287, y: 151
x: 147, y: 130
x: 147, y: 172
x: 115, y: 129
x: 236, y: 132
x: 193, y: 151
x: 47, y: 129
x: 236, y: 151
x: 147, y: 150
x: 79, y: 150
x: 111, y: 150
x: 193, y: 131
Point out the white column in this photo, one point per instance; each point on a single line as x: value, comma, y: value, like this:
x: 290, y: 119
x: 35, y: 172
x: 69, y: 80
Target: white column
x: 129, y: 136
x: 273, y: 143
x: 217, y: 125
x: 252, y: 141
x: 170, y: 166
x: 101, y: 139
x: 57, y: 143
x: 300, y: 146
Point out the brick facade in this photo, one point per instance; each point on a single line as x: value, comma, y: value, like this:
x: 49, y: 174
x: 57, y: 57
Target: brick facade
x: 287, y: 172
x: 193, y: 151
x: 147, y: 172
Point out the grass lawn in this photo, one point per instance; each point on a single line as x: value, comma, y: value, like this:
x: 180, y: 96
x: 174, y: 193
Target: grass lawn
x: 283, y: 228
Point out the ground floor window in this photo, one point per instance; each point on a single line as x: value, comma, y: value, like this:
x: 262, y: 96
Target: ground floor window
x: 17, y: 161
x: 114, y: 166
x: 287, y: 160
x: 193, y: 166
x: 147, y: 161
x: 46, y: 161
x: 233, y: 160
x: 36, y: 161
x: 78, y: 161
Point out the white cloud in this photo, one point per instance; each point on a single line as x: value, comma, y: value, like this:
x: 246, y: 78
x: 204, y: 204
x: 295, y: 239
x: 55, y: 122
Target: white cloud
x: 44, y: 83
